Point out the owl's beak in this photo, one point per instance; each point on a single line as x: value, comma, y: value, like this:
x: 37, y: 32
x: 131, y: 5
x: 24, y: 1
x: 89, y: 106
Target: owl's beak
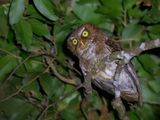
x: 82, y: 43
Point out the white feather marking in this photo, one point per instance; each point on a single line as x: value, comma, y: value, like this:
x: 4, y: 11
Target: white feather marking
x: 142, y: 46
x: 157, y: 42
x: 80, y: 33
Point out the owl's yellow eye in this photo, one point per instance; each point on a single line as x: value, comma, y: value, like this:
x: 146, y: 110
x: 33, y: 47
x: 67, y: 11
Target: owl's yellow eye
x: 74, y: 41
x: 85, y: 33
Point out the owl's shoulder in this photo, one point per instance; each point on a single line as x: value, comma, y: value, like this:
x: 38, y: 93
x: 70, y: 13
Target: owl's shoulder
x: 114, y: 44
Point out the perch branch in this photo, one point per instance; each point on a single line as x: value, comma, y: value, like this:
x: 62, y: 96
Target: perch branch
x: 144, y: 46
x: 127, y: 55
x: 59, y: 76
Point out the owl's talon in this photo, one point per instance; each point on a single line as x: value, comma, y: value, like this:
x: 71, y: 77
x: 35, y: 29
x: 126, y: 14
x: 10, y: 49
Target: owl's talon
x: 117, y: 104
x: 83, y: 107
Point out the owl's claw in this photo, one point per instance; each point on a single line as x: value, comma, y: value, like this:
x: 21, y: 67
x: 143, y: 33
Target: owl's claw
x: 83, y: 107
x: 120, y: 108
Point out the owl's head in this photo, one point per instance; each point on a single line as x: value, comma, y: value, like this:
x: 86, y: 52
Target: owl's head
x: 81, y: 38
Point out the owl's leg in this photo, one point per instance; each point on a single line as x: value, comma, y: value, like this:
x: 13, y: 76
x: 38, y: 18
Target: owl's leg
x: 117, y: 102
x: 83, y: 107
x: 87, y: 92
x: 118, y: 105
x: 120, y: 108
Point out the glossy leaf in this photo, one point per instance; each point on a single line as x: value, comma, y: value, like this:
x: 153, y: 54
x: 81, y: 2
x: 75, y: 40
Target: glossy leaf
x: 155, y: 85
x: 112, y: 8
x: 17, y: 109
x: 24, y: 33
x: 7, y: 64
x: 39, y: 28
x: 16, y: 11
x: 8, y: 47
x: 129, y: 4
x: 45, y: 7
x: 131, y: 32
x: 51, y: 86
x: 3, y: 24
x: 87, y: 9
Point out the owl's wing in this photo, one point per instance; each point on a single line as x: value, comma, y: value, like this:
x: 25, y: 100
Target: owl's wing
x: 113, y: 44
x: 131, y: 71
x: 128, y: 82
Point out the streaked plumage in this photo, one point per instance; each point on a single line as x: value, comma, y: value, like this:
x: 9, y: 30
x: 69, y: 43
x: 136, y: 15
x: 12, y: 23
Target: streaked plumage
x: 92, y: 47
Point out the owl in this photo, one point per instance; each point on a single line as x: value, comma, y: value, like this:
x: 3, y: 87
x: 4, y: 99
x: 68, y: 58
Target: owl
x: 92, y: 47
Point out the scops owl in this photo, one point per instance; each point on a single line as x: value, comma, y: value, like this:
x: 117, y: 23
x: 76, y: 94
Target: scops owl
x: 92, y: 46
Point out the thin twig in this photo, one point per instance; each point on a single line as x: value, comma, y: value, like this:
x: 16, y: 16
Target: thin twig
x: 8, y: 78
x: 56, y: 101
x: 12, y: 95
x: 17, y: 92
x: 9, y: 53
x: 151, y: 102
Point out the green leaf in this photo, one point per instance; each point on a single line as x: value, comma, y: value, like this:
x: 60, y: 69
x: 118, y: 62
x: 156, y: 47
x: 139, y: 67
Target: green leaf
x: 86, y: 12
x: 17, y: 109
x: 33, y: 13
x: 132, y: 115
x: 39, y: 28
x: 33, y: 66
x: 24, y: 33
x: 45, y: 7
x: 136, y: 14
x: 51, y: 85
x: 152, y: 17
x: 16, y: 11
x: 7, y: 64
x: 8, y: 47
x: 147, y: 64
x: 3, y: 24
x: 154, y: 30
x: 132, y: 32
x: 129, y: 4
x: 32, y: 86
x: 147, y: 113
x: 155, y: 85
x: 112, y: 8
x: 149, y: 94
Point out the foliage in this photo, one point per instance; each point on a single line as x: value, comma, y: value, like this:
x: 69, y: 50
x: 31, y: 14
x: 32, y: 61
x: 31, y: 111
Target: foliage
x: 28, y: 29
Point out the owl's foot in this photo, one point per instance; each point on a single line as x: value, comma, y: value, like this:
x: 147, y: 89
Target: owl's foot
x: 83, y: 107
x: 120, y: 108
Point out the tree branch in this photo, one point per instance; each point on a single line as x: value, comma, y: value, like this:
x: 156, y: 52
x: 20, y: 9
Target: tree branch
x: 151, y: 102
x: 127, y: 55
x: 59, y: 76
